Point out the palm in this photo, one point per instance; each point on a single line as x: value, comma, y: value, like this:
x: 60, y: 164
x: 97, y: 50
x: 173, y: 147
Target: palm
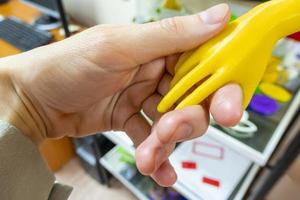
x: 91, y: 97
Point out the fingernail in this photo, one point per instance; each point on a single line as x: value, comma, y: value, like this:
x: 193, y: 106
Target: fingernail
x: 214, y: 15
x: 183, y: 131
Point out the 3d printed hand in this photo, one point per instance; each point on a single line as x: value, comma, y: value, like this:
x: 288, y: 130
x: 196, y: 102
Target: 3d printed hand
x: 239, y: 55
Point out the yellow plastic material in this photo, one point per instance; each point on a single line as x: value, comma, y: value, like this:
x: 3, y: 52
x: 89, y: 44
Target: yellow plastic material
x: 239, y: 54
x: 273, y: 70
x: 171, y: 4
x: 276, y: 92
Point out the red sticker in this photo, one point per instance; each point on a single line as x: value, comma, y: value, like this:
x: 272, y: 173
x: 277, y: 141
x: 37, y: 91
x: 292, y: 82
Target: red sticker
x: 189, y: 165
x: 211, y: 181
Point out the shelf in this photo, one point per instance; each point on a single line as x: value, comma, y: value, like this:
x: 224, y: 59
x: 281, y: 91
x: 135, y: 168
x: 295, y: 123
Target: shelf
x: 233, y: 172
x: 111, y: 162
x: 121, y: 164
x: 239, y: 193
x: 85, y: 155
x: 270, y: 131
x: 121, y: 139
x: 258, y: 149
x: 245, y: 184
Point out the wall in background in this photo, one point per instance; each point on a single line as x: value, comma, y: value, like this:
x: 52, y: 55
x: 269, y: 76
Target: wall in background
x: 92, y: 12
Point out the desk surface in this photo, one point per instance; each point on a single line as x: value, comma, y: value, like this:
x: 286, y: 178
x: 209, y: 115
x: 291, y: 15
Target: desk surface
x: 24, y: 12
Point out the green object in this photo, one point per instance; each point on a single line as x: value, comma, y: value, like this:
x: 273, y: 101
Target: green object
x: 158, y: 10
x: 233, y: 17
x: 258, y: 91
x: 126, y: 157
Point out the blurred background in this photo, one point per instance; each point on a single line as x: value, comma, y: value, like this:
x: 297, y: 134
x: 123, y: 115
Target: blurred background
x: 258, y: 159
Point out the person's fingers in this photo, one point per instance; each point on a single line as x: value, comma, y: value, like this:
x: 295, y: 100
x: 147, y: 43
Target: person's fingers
x: 127, y: 117
x: 149, y: 107
x: 178, y: 34
x: 137, y: 128
x: 147, y: 160
x: 164, y: 84
x: 141, y: 86
x: 226, y: 105
x: 171, y: 62
x: 152, y: 153
x: 148, y: 74
x: 165, y: 175
x: 172, y: 127
x: 140, y: 43
x: 147, y: 153
x: 145, y: 83
x: 184, y: 124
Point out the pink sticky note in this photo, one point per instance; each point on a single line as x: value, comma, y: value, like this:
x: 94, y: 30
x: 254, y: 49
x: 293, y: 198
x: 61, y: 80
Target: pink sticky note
x: 208, y: 150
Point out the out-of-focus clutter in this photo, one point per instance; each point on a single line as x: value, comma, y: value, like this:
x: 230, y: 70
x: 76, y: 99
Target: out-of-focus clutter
x: 92, y: 12
x: 279, y: 85
x: 121, y: 163
x: 281, y: 79
x: 233, y: 56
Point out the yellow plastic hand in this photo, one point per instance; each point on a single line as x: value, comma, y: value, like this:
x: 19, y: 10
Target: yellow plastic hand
x: 239, y: 54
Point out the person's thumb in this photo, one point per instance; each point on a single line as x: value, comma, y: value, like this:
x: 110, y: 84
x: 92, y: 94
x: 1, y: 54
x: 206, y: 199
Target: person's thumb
x: 146, y: 42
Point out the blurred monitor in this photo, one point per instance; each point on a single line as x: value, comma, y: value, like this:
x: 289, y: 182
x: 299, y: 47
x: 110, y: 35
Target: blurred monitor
x: 48, y: 7
x: 50, y: 18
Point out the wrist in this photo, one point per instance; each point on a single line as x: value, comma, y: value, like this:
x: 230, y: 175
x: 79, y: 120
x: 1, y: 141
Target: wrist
x: 15, y: 107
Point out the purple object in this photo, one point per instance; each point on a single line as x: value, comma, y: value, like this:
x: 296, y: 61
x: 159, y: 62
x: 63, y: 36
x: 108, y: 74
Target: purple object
x: 171, y: 195
x: 263, y: 105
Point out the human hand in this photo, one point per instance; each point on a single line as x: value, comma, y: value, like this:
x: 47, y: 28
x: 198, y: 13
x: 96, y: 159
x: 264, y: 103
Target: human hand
x: 101, y: 78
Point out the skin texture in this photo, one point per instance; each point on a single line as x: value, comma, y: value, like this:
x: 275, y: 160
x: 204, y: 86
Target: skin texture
x: 102, y: 78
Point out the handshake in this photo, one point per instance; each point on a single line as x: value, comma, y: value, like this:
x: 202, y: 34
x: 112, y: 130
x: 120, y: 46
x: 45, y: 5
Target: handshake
x: 102, y: 78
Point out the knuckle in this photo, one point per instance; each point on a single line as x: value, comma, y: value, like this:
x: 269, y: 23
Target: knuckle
x: 102, y: 34
x: 106, y: 43
x: 198, y: 19
x: 172, y: 25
